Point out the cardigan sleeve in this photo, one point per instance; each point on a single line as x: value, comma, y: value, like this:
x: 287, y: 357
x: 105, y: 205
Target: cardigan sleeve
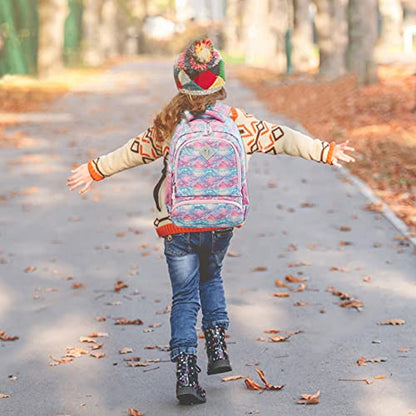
x: 137, y: 151
x: 262, y: 136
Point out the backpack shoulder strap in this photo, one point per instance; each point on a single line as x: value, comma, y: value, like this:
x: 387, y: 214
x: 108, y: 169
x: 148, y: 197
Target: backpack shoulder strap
x: 219, y: 111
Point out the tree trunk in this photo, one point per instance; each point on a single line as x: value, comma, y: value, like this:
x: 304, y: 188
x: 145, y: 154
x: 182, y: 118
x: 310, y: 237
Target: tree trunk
x: 409, y: 9
x: 91, y: 21
x: 108, y: 29
x: 362, y: 16
x: 332, y: 31
x: 52, y: 15
x: 264, y: 29
x: 391, y: 23
x: 302, y: 40
x: 233, y: 28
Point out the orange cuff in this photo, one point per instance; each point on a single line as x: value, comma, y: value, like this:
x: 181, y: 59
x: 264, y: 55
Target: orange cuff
x: 94, y: 172
x: 330, y: 153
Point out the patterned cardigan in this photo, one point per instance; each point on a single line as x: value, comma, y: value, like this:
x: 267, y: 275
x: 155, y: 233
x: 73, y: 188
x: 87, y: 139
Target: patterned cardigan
x: 257, y: 135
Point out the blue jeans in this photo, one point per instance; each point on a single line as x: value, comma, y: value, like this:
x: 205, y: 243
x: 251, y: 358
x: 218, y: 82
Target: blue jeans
x: 194, y: 263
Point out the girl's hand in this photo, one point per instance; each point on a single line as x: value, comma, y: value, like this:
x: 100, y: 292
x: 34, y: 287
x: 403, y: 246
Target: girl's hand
x: 81, y: 176
x: 339, y: 153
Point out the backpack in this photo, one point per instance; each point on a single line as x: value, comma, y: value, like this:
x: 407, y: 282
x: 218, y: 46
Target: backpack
x: 206, y: 172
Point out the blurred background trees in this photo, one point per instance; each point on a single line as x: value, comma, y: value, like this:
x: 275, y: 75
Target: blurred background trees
x: 333, y: 37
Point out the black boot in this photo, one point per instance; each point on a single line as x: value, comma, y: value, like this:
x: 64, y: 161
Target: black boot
x: 218, y: 361
x: 188, y: 390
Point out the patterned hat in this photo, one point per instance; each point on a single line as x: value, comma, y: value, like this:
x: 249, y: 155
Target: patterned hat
x: 199, y: 70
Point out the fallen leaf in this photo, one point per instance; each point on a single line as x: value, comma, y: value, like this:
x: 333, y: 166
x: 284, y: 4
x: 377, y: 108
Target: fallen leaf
x: 404, y: 349
x: 299, y: 264
x: 120, y: 285
x: 86, y: 339
x: 309, y: 398
x: 96, y: 346
x: 279, y: 338
x: 379, y: 377
x: 367, y: 279
x: 281, y: 294
x: 300, y: 304
x: 254, y: 363
x: 393, y: 322
x: 75, y: 352
x: 292, y: 279
x: 61, y: 361
x: 265, y: 382
x: 4, y: 337
x: 252, y: 385
x: 300, y: 288
x: 100, y: 318
x: 134, y: 412
x: 233, y: 254
x: 4, y: 396
x: 98, y: 334
x: 126, y: 350
x: 121, y: 234
x: 344, y: 228
x: 155, y: 325
x: 124, y: 321
x: 361, y: 361
x: 271, y: 331
x: 98, y: 354
x: 374, y: 207
x: 352, y: 304
x: 307, y: 204
x: 322, y: 310
x: 78, y: 286
x: 338, y: 269
x: 345, y: 243
x: 232, y: 378
x: 279, y: 283
x: 30, y: 269
x: 260, y: 269
x: 261, y: 339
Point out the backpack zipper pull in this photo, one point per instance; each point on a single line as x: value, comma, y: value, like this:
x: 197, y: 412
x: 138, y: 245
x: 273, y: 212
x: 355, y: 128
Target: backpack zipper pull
x: 208, y: 129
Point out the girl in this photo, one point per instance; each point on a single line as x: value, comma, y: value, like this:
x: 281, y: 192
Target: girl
x: 194, y: 255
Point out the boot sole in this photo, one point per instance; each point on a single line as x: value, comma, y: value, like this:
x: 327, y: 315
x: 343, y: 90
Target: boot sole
x: 188, y: 395
x: 217, y: 367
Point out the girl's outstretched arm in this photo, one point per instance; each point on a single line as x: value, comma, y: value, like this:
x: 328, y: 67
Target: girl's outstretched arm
x: 81, y: 176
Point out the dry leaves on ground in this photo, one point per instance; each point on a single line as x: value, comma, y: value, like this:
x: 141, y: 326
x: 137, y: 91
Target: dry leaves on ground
x: 292, y: 279
x: 232, y: 378
x: 260, y: 269
x: 4, y: 337
x: 393, y: 322
x: 135, y: 412
x: 363, y: 361
x: 124, y: 321
x: 4, y: 396
x: 280, y: 294
x: 309, y: 398
x: 252, y: 385
x: 120, y: 285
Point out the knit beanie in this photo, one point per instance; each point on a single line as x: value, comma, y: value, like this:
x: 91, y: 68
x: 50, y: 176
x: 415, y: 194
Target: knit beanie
x: 199, y: 70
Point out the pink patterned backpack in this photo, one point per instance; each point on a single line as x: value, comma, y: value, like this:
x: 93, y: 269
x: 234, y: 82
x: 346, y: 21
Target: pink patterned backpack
x: 206, y: 172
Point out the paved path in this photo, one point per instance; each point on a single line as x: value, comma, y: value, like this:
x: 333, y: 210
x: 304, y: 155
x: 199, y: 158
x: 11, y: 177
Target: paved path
x: 297, y: 210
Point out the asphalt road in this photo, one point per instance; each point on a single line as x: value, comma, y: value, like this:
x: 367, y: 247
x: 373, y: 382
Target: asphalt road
x: 305, y: 220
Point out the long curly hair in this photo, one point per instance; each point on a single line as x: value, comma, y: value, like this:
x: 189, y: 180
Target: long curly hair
x: 166, y: 121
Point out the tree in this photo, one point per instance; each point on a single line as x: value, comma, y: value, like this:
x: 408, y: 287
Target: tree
x: 362, y: 19
x: 233, y: 28
x: 52, y: 15
x: 302, y: 40
x: 391, y: 23
x: 91, y: 21
x: 264, y: 25
x: 332, y: 32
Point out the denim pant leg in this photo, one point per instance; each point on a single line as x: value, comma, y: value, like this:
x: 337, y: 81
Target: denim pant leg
x: 211, y: 289
x: 183, y: 266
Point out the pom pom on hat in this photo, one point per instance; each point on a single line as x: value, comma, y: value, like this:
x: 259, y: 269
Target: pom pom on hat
x: 199, y: 70
x: 202, y: 50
